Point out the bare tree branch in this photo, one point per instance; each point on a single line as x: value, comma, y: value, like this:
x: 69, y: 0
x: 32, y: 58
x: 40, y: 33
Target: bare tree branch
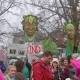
x: 64, y: 10
x: 53, y: 11
x: 2, y: 12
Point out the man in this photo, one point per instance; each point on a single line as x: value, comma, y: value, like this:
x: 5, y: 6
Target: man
x: 42, y: 70
x: 11, y: 73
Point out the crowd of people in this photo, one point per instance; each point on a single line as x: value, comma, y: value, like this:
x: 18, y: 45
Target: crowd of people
x: 46, y: 68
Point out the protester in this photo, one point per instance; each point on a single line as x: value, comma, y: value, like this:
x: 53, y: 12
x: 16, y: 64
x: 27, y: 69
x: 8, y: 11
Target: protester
x: 76, y: 64
x: 68, y: 71
x: 19, y: 67
x: 42, y: 68
x: 65, y: 69
x: 11, y: 74
x: 57, y: 72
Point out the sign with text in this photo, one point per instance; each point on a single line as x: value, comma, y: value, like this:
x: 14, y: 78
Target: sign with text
x: 33, y: 48
x: 24, y: 49
x: 16, y: 50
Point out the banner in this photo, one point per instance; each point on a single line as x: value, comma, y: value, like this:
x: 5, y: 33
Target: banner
x: 29, y: 50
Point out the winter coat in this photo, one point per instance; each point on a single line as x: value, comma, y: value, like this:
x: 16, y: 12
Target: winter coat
x: 7, y: 77
x: 19, y: 76
x: 41, y: 71
x: 58, y: 74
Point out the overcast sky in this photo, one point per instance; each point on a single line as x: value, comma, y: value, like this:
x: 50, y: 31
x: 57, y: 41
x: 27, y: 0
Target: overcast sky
x: 14, y: 18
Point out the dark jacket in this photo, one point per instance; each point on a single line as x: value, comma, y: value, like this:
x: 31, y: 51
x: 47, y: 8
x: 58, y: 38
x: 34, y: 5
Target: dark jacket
x: 2, y: 67
x: 58, y: 74
x: 19, y: 76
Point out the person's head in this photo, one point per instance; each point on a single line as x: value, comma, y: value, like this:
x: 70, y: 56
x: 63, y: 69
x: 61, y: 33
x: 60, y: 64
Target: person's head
x: 19, y: 65
x: 66, y: 62
x: 30, y: 23
x: 55, y: 62
x: 12, y: 70
x: 47, y: 56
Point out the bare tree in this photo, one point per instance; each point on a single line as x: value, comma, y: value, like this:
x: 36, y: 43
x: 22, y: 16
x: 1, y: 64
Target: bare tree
x: 56, y: 12
x: 5, y: 6
x: 51, y: 13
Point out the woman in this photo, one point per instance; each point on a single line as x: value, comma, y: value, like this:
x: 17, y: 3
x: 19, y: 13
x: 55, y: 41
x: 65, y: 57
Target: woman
x: 56, y: 69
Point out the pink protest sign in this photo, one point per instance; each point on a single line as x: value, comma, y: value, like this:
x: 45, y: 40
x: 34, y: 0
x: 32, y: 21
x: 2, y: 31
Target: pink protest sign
x: 33, y: 49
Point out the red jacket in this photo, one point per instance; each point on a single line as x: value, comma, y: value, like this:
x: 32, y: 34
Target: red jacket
x: 41, y: 71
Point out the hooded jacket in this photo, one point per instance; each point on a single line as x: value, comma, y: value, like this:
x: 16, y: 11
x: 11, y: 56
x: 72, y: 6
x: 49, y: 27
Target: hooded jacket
x: 42, y: 71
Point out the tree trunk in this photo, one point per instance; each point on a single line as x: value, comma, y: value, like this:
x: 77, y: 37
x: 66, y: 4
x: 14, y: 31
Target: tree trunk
x: 75, y: 21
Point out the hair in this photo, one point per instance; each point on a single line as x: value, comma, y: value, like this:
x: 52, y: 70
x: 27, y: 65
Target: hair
x: 47, y: 53
x: 19, y: 65
x: 11, y: 66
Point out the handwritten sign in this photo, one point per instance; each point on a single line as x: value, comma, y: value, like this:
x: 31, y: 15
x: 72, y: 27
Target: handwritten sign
x: 33, y: 49
x: 24, y: 49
